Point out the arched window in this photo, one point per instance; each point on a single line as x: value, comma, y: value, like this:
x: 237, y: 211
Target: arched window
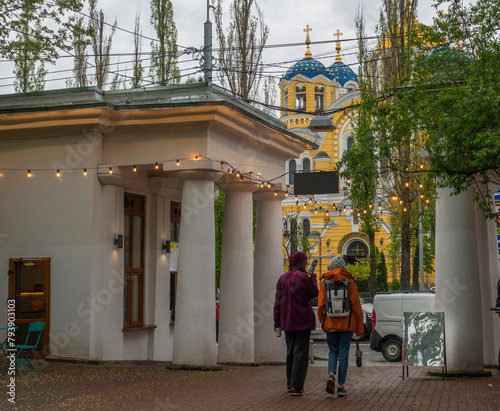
x: 307, y: 226
x: 319, y: 98
x: 292, y: 168
x: 306, y: 165
x: 300, y: 98
x: 350, y: 141
x: 356, y: 250
x: 285, y: 101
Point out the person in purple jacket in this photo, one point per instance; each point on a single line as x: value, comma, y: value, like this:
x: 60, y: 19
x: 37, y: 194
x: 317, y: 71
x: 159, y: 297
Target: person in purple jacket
x: 293, y: 314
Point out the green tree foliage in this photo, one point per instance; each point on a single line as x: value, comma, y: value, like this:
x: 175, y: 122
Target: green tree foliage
x: 360, y: 270
x: 240, y: 50
x: 101, y: 44
x: 138, y: 69
x: 52, y: 22
x: 388, y: 128
x: 27, y: 52
x: 164, y: 69
x: 362, y: 174
x: 456, y: 96
x: 381, y: 272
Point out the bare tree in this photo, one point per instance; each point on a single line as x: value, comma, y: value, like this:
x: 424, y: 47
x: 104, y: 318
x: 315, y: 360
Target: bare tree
x: 240, y: 50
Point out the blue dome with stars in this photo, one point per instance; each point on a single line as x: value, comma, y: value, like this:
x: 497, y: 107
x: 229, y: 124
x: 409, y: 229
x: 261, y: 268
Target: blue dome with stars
x: 342, y: 73
x: 307, y: 67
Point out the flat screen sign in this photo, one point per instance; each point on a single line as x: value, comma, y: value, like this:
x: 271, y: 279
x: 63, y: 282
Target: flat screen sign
x: 317, y: 182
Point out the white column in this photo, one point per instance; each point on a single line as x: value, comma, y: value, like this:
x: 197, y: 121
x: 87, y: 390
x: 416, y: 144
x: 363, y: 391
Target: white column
x: 236, y: 317
x: 194, y: 335
x: 488, y: 271
x: 457, y: 281
x: 268, y: 267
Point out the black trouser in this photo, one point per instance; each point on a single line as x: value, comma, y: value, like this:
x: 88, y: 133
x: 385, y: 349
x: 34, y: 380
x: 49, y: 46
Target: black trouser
x: 297, y: 357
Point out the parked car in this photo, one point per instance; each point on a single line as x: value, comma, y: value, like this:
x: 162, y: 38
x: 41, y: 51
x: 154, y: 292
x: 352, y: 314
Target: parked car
x: 367, y: 313
x: 388, y: 312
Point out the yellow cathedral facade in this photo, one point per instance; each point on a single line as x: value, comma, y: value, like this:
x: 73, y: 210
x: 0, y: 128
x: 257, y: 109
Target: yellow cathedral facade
x: 309, y: 89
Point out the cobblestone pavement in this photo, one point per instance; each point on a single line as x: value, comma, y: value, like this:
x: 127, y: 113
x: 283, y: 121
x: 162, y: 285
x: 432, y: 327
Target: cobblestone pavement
x: 63, y: 386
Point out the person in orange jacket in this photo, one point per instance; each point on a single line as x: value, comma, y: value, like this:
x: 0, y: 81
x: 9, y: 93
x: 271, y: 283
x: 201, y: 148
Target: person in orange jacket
x: 339, y: 330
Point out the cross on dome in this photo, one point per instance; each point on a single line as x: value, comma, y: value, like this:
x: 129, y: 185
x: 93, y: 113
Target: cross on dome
x: 308, y: 41
x: 337, y: 47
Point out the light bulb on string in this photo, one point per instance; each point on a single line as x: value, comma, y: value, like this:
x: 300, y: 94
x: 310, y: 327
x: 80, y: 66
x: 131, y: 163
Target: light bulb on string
x: 268, y: 185
x: 134, y: 169
x: 407, y: 184
x: 84, y: 171
x: 276, y: 193
x: 157, y: 166
x: 178, y: 163
x: 29, y: 173
x: 58, y: 174
x: 261, y: 185
x: 196, y: 158
x: 111, y: 170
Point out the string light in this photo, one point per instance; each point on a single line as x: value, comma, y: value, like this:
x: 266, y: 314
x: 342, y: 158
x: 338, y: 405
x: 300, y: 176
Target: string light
x: 421, y: 166
x: 268, y: 184
x: 327, y: 213
x: 178, y: 163
x: 111, y: 170
x: 196, y: 158
x: 276, y: 193
x: 395, y: 198
x: 380, y: 206
x: 84, y: 171
x: 58, y: 174
x: 407, y: 184
x: 134, y: 169
x: 29, y: 173
x: 157, y: 166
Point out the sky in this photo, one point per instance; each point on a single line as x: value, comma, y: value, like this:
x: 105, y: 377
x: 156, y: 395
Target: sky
x: 286, y: 21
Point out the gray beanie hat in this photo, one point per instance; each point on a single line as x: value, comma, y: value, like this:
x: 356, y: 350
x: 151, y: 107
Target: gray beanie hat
x: 337, y: 262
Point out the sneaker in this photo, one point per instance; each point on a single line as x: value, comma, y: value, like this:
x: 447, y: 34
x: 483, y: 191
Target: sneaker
x: 296, y: 392
x: 341, y: 392
x: 330, y: 385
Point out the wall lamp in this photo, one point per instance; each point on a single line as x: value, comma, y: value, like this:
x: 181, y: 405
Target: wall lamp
x: 119, y: 241
x: 166, y: 247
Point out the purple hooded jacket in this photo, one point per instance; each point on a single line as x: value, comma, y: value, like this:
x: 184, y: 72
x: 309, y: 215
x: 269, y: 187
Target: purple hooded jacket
x: 294, y: 290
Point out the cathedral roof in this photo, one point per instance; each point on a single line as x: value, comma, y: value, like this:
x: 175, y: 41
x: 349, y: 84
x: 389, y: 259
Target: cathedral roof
x: 342, y: 73
x: 307, y: 67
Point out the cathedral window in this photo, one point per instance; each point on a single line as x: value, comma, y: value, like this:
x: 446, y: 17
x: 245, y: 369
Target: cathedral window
x: 319, y: 98
x: 285, y: 101
x: 350, y: 141
x: 306, y: 165
x: 292, y: 168
x: 300, y: 98
x: 306, y: 224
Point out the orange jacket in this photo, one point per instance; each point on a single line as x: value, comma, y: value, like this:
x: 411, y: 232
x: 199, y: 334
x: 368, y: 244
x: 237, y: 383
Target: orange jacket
x: 341, y: 323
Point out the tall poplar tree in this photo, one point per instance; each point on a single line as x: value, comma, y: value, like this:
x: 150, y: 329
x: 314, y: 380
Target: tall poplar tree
x: 138, y: 69
x: 101, y: 44
x: 240, y: 47
x: 164, y: 69
x: 81, y: 40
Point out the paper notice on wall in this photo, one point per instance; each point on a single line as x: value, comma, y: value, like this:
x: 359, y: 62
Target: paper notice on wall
x: 174, y: 255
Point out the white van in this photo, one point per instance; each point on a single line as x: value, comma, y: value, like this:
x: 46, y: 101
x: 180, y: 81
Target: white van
x: 388, y: 308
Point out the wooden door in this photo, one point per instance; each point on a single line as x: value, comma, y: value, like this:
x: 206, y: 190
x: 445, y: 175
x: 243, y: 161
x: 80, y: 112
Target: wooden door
x: 29, y: 286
